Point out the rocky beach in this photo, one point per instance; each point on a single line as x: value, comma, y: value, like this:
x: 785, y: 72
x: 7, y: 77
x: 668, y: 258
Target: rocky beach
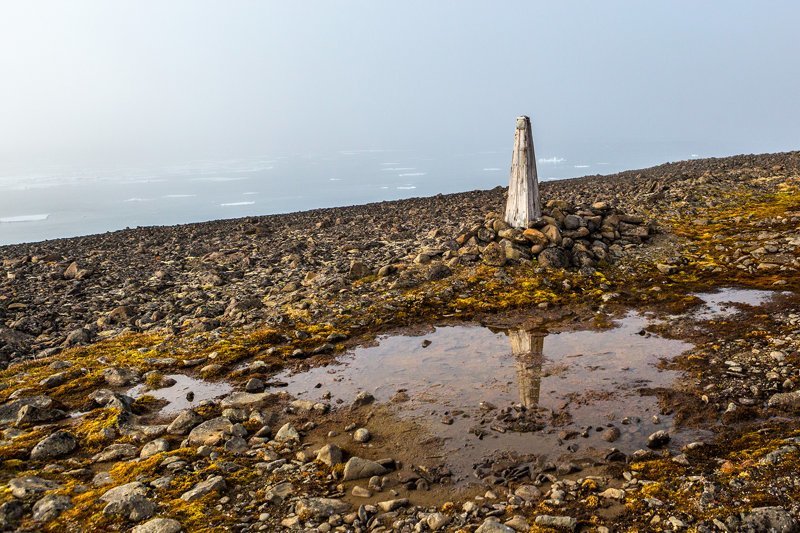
x: 629, y: 362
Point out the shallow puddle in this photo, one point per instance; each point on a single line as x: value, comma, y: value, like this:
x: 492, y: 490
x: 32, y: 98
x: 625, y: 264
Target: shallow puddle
x: 176, y: 394
x: 726, y: 302
x: 566, y: 381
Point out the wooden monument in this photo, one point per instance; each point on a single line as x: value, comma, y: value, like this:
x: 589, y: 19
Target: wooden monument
x: 523, y: 203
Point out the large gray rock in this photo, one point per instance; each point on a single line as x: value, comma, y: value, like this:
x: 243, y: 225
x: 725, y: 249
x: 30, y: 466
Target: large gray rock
x: 23, y: 487
x: 128, y: 501
x: 278, y: 493
x: 9, y: 411
x: 244, y: 399
x: 120, y: 377
x: 330, y: 454
x: 358, y: 468
x: 287, y: 433
x: 159, y: 525
x: 58, y: 444
x: 528, y: 492
x: 184, y: 422
x: 50, y: 506
x: 111, y: 399
x: 557, y: 522
x: 493, y: 254
x: 786, y: 401
x: 30, y: 415
x: 115, y: 452
x: 764, y: 520
x: 212, y: 484
x: 553, y: 258
x: 320, y: 508
x: 153, y: 447
x: 492, y: 526
x: 10, y: 513
x: 211, y: 432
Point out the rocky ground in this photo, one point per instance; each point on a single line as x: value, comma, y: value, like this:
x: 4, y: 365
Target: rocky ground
x: 84, y: 319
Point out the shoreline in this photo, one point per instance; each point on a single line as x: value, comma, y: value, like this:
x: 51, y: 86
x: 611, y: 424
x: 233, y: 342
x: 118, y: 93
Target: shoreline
x: 689, y: 164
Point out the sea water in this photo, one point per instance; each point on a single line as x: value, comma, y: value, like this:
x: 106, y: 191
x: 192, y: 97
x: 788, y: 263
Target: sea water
x: 65, y: 202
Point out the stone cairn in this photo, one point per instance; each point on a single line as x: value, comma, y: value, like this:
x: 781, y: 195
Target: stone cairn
x: 564, y: 236
x: 561, y: 236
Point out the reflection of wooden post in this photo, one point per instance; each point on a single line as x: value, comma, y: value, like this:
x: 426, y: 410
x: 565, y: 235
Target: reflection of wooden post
x: 523, y: 204
x: 528, y: 349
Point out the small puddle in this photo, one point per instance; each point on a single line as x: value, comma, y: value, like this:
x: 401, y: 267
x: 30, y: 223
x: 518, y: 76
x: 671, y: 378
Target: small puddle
x: 726, y: 302
x: 566, y: 381
x: 176, y: 394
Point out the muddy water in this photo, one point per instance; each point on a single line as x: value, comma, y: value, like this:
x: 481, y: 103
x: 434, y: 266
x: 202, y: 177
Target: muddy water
x: 176, y: 394
x: 589, y: 379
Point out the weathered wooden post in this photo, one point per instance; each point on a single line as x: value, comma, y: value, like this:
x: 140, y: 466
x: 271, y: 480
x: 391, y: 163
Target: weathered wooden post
x: 523, y: 204
x: 528, y: 350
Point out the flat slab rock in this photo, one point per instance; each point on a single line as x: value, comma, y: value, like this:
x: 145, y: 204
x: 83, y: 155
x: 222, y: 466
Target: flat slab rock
x: 211, y: 432
x: 159, y: 525
x: 318, y: 508
x: 22, y: 487
x: 244, y: 399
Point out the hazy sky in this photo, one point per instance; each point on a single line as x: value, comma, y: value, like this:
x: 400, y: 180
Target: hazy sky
x: 127, y: 82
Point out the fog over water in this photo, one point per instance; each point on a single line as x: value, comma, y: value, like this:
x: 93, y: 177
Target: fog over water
x: 127, y: 113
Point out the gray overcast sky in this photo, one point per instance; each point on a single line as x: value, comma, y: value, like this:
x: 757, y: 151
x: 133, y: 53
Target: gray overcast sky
x: 99, y: 82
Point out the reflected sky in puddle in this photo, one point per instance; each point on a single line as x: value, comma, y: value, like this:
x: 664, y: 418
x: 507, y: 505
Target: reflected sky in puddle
x: 176, y: 394
x: 725, y: 302
x: 595, y: 376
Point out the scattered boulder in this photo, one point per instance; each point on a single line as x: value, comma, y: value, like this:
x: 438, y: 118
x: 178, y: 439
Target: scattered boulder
x: 358, y: 468
x: 115, y: 452
x: 50, y: 506
x: 154, y: 447
x: 287, y: 433
x: 211, y: 432
x: 184, y: 422
x: 23, y: 487
x: 128, y: 501
x: 785, y: 401
x: 159, y: 525
x: 212, y: 484
x: 330, y: 454
x: 320, y: 508
x: 120, y: 377
x: 58, y: 444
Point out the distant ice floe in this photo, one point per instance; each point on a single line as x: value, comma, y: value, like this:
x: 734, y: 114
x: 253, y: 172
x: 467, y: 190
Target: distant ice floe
x: 411, y: 174
x: 365, y: 151
x: 406, y: 187
x: 389, y: 164
x: 491, y: 169
x: 334, y: 179
x: 137, y: 199
x: 581, y: 166
x: 693, y: 155
x: 399, y: 169
x: 233, y: 204
x: 551, y: 160
x: 220, y: 179
x: 24, y: 218
x: 249, y: 193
